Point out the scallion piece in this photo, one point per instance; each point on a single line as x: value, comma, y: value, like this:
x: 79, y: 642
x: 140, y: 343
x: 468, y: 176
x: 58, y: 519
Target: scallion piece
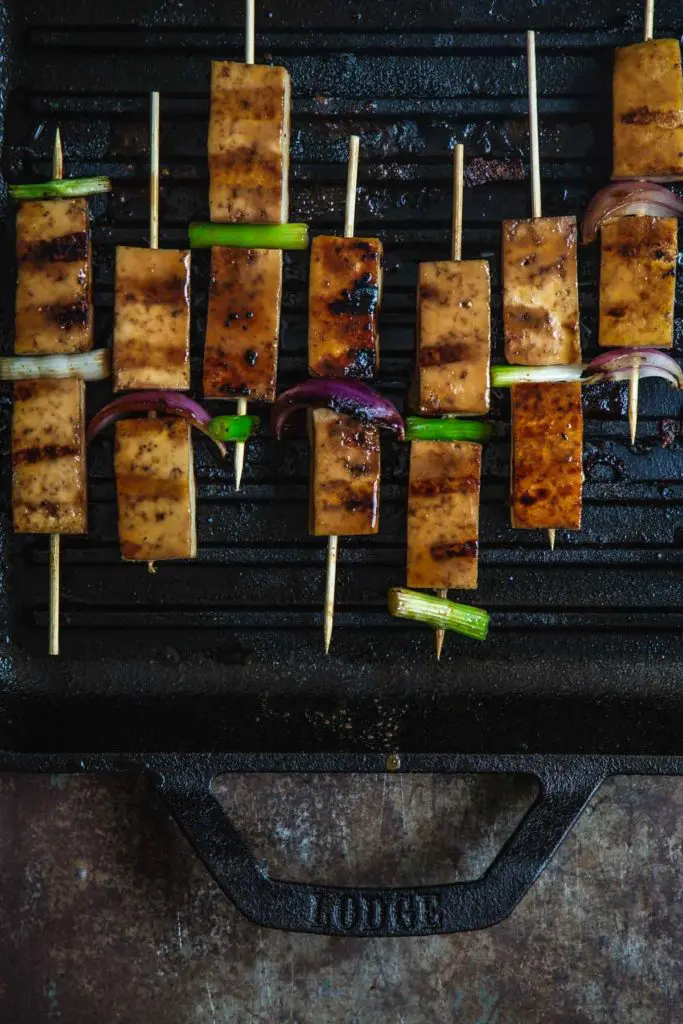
x: 421, y: 429
x: 506, y: 376
x: 95, y: 365
x: 249, y: 236
x: 439, y: 613
x: 62, y: 188
x: 233, y: 428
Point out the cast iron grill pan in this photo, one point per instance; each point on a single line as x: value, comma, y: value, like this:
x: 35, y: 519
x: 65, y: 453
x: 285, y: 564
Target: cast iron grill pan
x: 225, y: 654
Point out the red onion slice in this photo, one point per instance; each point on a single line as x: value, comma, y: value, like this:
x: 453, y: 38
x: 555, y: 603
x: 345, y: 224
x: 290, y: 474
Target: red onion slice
x: 353, y: 398
x: 163, y: 403
x: 627, y: 198
x: 619, y: 363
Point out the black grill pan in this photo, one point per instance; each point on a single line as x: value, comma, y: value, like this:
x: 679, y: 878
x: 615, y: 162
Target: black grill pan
x: 217, y: 666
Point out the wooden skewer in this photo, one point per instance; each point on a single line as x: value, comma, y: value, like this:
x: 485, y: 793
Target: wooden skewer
x: 332, y: 541
x: 634, y: 379
x: 536, y: 203
x: 456, y: 255
x: 249, y: 54
x: 154, y: 117
x: 55, y: 538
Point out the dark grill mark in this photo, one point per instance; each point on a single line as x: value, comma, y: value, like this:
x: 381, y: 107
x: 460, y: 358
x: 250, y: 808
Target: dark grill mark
x: 67, y: 317
x: 358, y: 300
x: 443, y: 552
x: 439, y: 355
x: 529, y: 499
x: 431, y: 488
x: 38, y: 453
x: 169, y: 291
x: 618, y: 312
x: 663, y: 119
x: 71, y: 248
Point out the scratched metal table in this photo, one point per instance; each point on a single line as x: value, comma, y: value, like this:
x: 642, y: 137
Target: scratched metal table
x: 106, y: 915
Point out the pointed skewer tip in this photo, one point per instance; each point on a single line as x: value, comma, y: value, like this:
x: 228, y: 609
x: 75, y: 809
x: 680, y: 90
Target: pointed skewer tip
x: 551, y: 539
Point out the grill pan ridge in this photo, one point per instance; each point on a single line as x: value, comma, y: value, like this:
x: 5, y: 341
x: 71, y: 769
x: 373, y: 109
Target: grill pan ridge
x: 583, y: 667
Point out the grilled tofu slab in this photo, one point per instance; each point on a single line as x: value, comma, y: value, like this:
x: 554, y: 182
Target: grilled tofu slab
x: 249, y: 143
x: 540, y: 291
x: 54, y: 284
x: 345, y: 472
x: 547, y: 467
x: 648, y: 110
x: 638, y: 281
x: 454, y: 336
x: 155, y: 489
x: 152, y: 319
x: 243, y: 325
x: 345, y: 294
x: 48, y: 457
x: 443, y: 514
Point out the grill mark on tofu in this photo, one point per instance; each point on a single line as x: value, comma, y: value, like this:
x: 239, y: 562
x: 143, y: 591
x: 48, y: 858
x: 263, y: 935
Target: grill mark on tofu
x: 443, y: 515
x: 540, y: 291
x: 48, y: 457
x: 152, y: 319
x: 547, y: 470
x: 345, y: 471
x: 249, y: 143
x: 648, y: 137
x: 54, y: 282
x: 344, y: 298
x: 243, y: 323
x: 71, y: 248
x: 638, y: 281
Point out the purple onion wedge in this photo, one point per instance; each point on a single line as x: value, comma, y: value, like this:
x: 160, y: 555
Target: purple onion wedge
x: 353, y: 398
x: 619, y: 363
x: 628, y: 198
x: 163, y: 403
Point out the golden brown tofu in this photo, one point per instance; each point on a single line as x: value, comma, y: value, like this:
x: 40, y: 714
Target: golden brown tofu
x: 638, y: 281
x: 249, y: 143
x: 443, y: 514
x: 54, y: 284
x: 540, y: 291
x: 243, y: 324
x: 345, y: 294
x: 48, y: 457
x: 454, y: 336
x: 152, y: 319
x: 345, y: 467
x: 648, y: 110
x: 547, y: 464
x: 155, y: 489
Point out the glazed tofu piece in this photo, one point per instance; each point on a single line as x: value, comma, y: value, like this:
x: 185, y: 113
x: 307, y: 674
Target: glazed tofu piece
x: 243, y: 324
x: 345, y: 468
x: 345, y: 293
x: 540, y: 291
x: 155, y: 489
x: 54, y: 283
x: 443, y: 514
x: 249, y: 143
x: 638, y: 281
x: 547, y: 464
x: 648, y: 110
x: 152, y: 319
x: 48, y: 457
x: 454, y: 336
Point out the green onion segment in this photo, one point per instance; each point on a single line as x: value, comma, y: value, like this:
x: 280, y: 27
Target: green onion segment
x: 61, y: 188
x: 249, y: 236
x: 94, y: 365
x: 439, y: 613
x: 233, y: 428
x: 421, y: 429
x: 506, y: 376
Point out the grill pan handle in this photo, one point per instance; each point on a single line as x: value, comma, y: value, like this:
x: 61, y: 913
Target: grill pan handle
x: 369, y: 912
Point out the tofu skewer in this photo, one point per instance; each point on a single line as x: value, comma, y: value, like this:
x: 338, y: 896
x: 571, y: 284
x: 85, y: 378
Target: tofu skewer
x: 645, y: 141
x: 541, y: 308
x: 333, y: 539
x: 453, y: 366
x: 154, y: 467
x: 248, y: 163
x: 55, y: 538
